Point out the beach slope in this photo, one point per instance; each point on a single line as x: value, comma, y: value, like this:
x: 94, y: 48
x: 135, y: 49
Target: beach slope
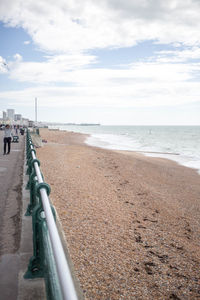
x: 131, y: 222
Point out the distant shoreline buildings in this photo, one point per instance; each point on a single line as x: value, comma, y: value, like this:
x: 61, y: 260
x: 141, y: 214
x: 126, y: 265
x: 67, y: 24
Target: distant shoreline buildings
x: 10, y: 117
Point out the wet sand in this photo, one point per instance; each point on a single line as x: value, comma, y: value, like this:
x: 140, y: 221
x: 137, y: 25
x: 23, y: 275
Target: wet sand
x: 131, y: 222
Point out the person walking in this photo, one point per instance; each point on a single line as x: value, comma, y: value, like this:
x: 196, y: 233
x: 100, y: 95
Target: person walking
x: 7, y: 138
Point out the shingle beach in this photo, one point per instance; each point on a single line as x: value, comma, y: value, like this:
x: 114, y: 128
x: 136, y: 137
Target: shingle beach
x: 132, y: 223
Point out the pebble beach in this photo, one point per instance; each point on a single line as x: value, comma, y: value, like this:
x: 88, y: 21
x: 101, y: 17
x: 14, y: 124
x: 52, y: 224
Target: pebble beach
x: 131, y: 222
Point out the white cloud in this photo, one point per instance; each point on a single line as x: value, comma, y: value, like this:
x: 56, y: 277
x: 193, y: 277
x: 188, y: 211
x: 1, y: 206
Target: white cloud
x: 55, y: 69
x: 3, y: 65
x: 65, y: 80
x: 74, y: 69
x: 27, y: 42
x: 17, y: 57
x: 66, y: 26
x: 138, y: 86
x: 187, y: 54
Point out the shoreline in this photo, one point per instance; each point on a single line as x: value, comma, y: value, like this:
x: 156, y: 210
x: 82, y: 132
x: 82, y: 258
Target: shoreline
x: 131, y: 221
x: 180, y: 159
x: 173, y: 156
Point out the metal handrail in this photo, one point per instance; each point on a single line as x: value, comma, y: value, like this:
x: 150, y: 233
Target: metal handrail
x: 63, y: 270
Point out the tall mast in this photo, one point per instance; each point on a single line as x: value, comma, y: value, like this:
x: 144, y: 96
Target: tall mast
x: 36, y: 110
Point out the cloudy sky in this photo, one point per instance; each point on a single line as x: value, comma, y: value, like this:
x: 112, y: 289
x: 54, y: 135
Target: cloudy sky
x: 109, y: 61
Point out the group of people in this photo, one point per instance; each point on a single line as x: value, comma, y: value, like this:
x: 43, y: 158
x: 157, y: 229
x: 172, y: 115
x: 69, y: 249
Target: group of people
x: 8, y: 134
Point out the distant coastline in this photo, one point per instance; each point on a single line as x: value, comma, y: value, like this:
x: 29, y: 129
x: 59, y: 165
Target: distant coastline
x: 71, y: 124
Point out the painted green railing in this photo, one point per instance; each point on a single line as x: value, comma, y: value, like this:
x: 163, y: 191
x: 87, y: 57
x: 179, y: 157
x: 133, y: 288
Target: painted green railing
x: 48, y: 260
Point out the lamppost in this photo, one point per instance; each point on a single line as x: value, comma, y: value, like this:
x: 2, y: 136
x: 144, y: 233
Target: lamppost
x: 35, y: 111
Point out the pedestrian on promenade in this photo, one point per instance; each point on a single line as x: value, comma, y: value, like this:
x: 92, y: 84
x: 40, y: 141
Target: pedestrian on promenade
x: 7, y: 138
x: 16, y: 129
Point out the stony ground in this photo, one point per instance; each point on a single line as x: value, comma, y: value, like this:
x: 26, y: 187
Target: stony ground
x: 131, y: 222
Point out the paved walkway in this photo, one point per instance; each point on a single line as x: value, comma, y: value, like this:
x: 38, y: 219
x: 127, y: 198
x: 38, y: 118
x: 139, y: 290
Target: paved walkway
x: 15, y: 228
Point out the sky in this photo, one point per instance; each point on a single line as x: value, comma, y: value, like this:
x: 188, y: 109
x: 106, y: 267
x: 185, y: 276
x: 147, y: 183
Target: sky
x: 123, y: 62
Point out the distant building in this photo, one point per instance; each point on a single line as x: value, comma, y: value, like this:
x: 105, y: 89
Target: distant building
x: 9, y: 117
x: 4, y: 116
x: 17, y: 117
x: 25, y: 121
x: 10, y: 114
x: 30, y: 123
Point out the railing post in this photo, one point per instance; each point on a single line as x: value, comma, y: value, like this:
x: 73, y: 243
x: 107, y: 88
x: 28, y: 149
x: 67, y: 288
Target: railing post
x: 33, y: 197
x: 36, y: 263
x: 35, y: 266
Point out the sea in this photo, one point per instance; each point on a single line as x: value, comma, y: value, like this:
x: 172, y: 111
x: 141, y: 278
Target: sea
x: 178, y: 143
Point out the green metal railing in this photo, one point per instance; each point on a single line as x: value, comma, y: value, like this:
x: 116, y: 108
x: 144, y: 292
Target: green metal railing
x: 48, y: 260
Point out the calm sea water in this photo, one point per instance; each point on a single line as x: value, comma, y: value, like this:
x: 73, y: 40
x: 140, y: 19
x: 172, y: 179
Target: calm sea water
x: 179, y: 143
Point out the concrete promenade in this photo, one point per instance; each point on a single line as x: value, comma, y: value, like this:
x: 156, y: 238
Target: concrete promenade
x: 15, y: 228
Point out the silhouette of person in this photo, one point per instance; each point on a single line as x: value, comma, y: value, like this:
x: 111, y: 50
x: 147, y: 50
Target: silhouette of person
x: 7, y: 138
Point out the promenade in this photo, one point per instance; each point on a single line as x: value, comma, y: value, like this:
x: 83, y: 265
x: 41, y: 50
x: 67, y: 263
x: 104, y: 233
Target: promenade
x: 15, y: 228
